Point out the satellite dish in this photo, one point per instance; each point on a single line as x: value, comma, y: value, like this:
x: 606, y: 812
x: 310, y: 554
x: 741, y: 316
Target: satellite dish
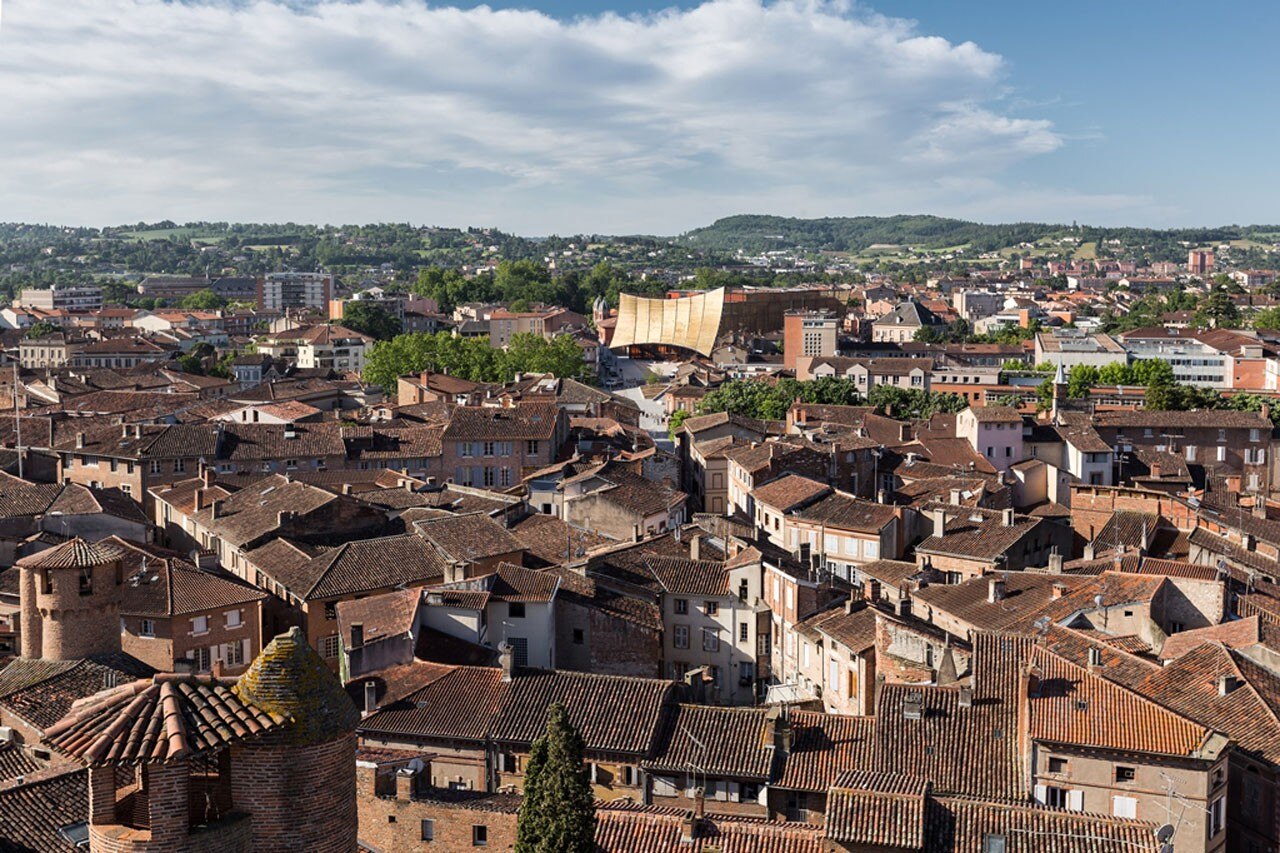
x: 416, y: 766
x: 1164, y: 833
x: 1098, y: 599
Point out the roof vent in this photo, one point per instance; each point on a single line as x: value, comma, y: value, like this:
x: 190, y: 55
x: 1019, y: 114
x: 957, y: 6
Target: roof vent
x: 913, y: 706
x: 1228, y: 683
x: 966, y: 697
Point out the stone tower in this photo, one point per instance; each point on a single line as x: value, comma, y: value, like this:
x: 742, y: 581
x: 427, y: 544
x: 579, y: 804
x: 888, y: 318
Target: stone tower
x: 70, y: 598
x: 299, y: 783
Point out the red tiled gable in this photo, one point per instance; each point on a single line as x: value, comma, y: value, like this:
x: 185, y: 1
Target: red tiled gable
x: 718, y: 741
x: 790, y: 491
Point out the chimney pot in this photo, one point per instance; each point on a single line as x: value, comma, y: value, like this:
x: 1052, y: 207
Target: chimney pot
x: 1007, y: 518
x: 79, y: 440
x: 955, y: 497
x: 1059, y: 590
x: 506, y: 660
x: 995, y: 589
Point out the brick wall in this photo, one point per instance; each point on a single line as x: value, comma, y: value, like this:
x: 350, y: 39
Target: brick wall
x: 396, y: 822
x: 301, y: 798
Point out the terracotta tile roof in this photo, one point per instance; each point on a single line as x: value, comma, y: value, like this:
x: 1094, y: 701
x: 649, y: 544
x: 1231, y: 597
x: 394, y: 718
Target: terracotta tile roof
x: 954, y: 825
x: 790, y: 491
x: 1249, y: 713
x: 1194, y: 419
x: 1238, y: 634
x: 457, y: 703
x: 73, y: 554
x: 1116, y: 663
x: 822, y: 747
x: 894, y: 573
x: 31, y: 814
x: 846, y: 512
x: 623, y: 827
x: 41, y: 692
x: 1127, y: 529
x: 553, y: 541
x: 971, y: 751
x: 468, y: 538
x: 1072, y: 706
x: 16, y: 760
x: 284, y: 561
x: 614, y: 713
x: 516, y: 583
x: 634, y: 492
x: 978, y: 534
x: 997, y: 415
x: 679, y: 576
x: 575, y: 589
x: 367, y: 565
x: 528, y: 421
x: 165, y: 718
x: 20, y: 497
x: 877, y: 809
x: 1027, y: 595
x: 254, y: 511
x: 854, y: 630
x: 76, y: 499
x: 390, y: 614
x: 169, y: 587
x: 718, y: 741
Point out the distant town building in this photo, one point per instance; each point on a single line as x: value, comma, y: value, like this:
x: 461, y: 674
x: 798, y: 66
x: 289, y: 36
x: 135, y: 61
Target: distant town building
x: 808, y: 333
x: 281, y: 291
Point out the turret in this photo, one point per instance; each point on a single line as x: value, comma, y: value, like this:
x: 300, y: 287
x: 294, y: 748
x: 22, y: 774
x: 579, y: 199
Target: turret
x: 70, y: 598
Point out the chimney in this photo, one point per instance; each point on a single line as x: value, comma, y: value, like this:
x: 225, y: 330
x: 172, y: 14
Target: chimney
x: 370, y: 696
x: 1259, y: 507
x: 848, y: 606
x: 208, y: 475
x: 506, y: 660
x: 939, y: 523
x: 79, y: 441
x: 199, y: 499
x: 346, y: 488
x: 955, y: 497
x: 966, y: 697
x: 137, y: 430
x: 357, y: 635
x: 1089, y: 551
x: 1227, y: 683
x: 124, y: 430
x: 1007, y: 517
x: 1265, y: 411
x: 695, y: 547
x: 995, y: 589
x: 880, y: 496
x: 216, y: 508
x: 913, y: 706
x: 1059, y: 589
x: 1055, y: 562
x: 635, y: 533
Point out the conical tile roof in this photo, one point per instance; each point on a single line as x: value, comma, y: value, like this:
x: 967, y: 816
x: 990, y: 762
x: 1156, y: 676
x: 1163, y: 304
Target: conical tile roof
x: 73, y: 554
x: 290, y: 680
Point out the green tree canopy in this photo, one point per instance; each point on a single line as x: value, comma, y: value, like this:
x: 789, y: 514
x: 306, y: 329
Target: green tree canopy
x: 912, y: 402
x: 371, y: 319
x: 473, y: 358
x: 769, y: 400
x: 39, y: 330
x: 558, y: 811
x: 203, y: 300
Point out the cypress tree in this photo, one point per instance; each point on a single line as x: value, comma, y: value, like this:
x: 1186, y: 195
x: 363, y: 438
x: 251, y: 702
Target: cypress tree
x: 558, y: 812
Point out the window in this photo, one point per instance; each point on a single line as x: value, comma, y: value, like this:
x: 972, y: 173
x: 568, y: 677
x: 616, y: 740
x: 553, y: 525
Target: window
x: 1058, y: 765
x: 531, y: 447
x: 1124, y: 806
x: 1125, y: 774
x: 578, y: 637
x: 200, y: 659
x: 993, y: 844
x: 515, y: 609
x: 744, y: 589
x: 1253, y: 435
x: 331, y: 610
x: 479, y: 835
x: 147, y: 628
x: 746, y: 672
x: 710, y: 640
x: 464, y: 449
x: 711, y: 608
x: 488, y: 448
x: 329, y: 646
x: 680, y: 607
x: 235, y: 654
x: 428, y: 830
x: 1222, y: 453
x: 488, y: 476
x: 742, y: 632
x: 200, y: 625
x: 233, y: 619
x: 86, y: 581
x: 179, y: 466
x: 508, y: 763
x: 520, y: 650
x: 680, y: 638
x: 1191, y: 453
x: 1217, y: 816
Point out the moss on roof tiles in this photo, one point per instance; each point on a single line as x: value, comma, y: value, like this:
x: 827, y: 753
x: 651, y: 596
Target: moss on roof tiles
x: 288, y: 678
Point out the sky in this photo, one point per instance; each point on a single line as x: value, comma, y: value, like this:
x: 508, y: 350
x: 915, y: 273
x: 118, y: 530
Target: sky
x: 621, y: 116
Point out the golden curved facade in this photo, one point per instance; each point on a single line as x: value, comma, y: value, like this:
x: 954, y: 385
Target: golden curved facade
x: 692, y: 322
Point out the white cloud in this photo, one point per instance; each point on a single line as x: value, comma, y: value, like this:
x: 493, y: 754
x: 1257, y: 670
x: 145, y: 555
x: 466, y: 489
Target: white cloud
x: 118, y: 110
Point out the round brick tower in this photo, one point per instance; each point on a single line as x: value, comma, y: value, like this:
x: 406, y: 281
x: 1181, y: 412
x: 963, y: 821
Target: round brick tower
x: 299, y: 784
x: 70, y: 598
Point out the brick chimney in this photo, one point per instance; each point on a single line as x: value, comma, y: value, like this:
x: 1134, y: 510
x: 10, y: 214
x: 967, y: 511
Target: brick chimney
x: 995, y: 589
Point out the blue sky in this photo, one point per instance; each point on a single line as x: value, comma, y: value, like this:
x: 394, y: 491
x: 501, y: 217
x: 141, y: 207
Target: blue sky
x: 625, y: 116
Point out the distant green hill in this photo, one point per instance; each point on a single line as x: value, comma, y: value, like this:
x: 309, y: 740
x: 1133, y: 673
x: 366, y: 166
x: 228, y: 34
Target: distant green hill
x: 752, y: 233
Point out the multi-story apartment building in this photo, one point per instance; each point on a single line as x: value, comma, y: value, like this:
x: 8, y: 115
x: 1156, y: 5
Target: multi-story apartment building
x: 493, y: 446
x: 813, y: 334
x: 284, y: 291
x: 66, y: 297
x: 503, y: 324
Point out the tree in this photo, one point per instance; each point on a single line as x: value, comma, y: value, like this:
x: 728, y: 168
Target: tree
x: 370, y: 319
x: 1267, y: 318
x: 41, y: 329
x: 558, y: 811
x: 1217, y: 310
x: 676, y: 421
x: 203, y: 300
x: 912, y: 402
x: 1081, y: 378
